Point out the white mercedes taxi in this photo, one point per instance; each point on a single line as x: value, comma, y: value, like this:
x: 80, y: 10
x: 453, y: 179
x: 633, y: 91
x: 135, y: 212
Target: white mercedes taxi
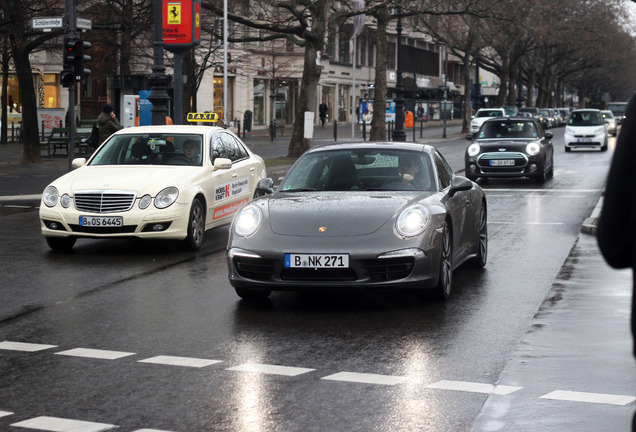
x: 152, y: 182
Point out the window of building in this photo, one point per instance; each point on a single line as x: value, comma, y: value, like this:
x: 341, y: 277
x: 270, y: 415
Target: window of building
x: 370, y: 56
x: 343, y: 46
x: 51, y: 91
x: 390, y: 55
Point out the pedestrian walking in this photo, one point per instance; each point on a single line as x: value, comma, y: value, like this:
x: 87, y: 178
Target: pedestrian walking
x: 616, y: 230
x: 107, y: 123
x: 322, y: 112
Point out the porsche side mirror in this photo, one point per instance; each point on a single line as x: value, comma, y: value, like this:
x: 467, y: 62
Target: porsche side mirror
x: 459, y: 183
x: 264, y: 187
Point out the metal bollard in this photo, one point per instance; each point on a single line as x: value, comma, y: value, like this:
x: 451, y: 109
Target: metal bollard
x: 238, y: 127
x: 413, y: 131
x: 421, y: 128
x: 364, y: 130
x: 272, y: 130
x: 335, y: 130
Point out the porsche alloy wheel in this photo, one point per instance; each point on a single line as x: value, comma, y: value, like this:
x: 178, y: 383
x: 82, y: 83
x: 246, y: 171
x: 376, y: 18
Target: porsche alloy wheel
x: 445, y: 279
x: 196, y: 226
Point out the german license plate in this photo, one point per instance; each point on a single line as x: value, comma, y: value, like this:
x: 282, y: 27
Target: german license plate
x: 583, y: 140
x: 316, y: 260
x: 101, y: 221
x: 502, y: 162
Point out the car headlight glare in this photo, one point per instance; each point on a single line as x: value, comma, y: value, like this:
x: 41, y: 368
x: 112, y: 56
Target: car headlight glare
x: 145, y: 201
x: 166, y: 197
x: 412, y: 221
x: 533, y: 149
x: 65, y: 201
x: 50, y: 196
x: 473, y: 149
x: 248, y: 221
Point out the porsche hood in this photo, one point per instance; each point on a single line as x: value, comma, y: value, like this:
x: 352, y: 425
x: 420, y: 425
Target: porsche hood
x: 334, y: 214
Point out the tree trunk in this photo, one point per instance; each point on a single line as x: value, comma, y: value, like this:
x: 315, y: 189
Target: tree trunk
x: 30, y: 134
x: 467, y: 97
x: 307, y: 98
x: 378, y: 121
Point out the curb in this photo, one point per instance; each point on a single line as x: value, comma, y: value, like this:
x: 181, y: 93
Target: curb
x: 589, y: 225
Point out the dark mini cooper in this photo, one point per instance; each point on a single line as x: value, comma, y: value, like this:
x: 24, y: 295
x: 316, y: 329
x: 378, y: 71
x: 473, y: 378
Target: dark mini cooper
x: 510, y: 147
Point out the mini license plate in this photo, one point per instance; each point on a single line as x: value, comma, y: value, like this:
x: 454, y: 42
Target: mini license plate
x: 101, y: 221
x: 316, y: 260
x: 502, y: 162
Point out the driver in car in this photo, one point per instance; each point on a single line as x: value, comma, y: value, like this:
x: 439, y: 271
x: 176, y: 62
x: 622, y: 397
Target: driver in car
x: 192, y: 150
x: 408, y: 168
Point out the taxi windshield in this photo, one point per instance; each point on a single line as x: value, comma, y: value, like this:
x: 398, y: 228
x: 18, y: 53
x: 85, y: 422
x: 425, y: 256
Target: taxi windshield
x: 150, y: 149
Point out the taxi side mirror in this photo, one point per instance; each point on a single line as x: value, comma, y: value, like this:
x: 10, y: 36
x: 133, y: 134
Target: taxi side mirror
x: 222, y: 164
x: 78, y: 163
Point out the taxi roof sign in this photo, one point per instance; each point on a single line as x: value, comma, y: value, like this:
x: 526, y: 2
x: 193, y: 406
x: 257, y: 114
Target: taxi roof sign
x: 203, y: 117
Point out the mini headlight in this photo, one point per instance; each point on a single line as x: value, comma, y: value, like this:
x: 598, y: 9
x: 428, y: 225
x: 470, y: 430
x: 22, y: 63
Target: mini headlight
x: 65, y: 201
x: 166, y: 197
x: 145, y: 201
x: 412, y: 221
x: 50, y: 196
x: 248, y: 221
x: 473, y: 149
x: 533, y: 149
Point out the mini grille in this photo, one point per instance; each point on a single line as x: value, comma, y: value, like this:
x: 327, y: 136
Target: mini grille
x: 104, y: 201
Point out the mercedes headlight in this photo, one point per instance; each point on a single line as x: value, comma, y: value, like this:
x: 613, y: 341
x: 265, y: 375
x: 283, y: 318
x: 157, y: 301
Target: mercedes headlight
x: 473, y: 149
x: 166, y: 197
x: 50, y: 196
x: 248, y: 221
x: 412, y: 221
x: 533, y: 149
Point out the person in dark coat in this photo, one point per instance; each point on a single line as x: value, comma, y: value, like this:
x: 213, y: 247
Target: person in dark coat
x: 616, y: 229
x: 322, y: 112
x: 107, y: 123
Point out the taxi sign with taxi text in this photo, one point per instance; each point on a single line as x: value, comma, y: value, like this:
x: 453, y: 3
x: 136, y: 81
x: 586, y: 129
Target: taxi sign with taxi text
x: 203, y: 117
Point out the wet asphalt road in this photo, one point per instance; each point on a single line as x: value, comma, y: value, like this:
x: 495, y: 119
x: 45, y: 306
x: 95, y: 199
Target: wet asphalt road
x: 294, y: 363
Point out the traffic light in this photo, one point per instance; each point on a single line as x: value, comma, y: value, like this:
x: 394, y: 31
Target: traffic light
x: 81, y: 59
x: 74, y: 61
x: 67, y: 76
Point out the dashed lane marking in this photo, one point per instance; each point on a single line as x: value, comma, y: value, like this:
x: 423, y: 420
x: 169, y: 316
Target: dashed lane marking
x: 95, y: 353
x: 55, y: 424
x: 366, y: 378
x: 599, y: 398
x: 270, y: 369
x: 5, y: 413
x: 473, y: 387
x: 21, y: 346
x: 180, y: 361
x: 150, y: 430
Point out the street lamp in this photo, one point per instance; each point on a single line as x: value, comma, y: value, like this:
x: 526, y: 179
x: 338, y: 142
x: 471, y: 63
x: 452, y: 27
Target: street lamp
x: 398, y: 132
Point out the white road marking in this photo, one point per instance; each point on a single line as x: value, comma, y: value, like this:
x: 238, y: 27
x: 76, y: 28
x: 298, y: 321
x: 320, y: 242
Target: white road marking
x: 17, y: 206
x: 599, y: 398
x: 54, y: 424
x: 150, y: 430
x: 544, y: 190
x: 523, y: 223
x: 473, y: 387
x: 5, y: 413
x: 21, y: 346
x: 270, y: 369
x: 180, y: 361
x: 366, y: 378
x: 95, y: 353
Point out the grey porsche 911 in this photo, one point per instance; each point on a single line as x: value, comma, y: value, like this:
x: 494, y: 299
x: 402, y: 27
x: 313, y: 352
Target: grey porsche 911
x: 359, y: 215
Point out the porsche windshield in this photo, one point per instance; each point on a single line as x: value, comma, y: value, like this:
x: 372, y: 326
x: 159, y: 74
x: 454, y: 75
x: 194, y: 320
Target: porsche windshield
x: 150, y: 149
x: 361, y: 169
x: 508, y: 130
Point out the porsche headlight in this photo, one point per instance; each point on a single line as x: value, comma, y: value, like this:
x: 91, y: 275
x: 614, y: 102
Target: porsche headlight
x: 473, y: 149
x: 166, y: 197
x: 533, y: 148
x: 50, y: 196
x: 412, y: 221
x: 248, y: 221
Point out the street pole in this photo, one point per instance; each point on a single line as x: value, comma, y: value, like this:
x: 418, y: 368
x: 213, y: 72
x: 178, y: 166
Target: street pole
x: 398, y: 132
x: 71, y: 27
x: 445, y: 91
x: 225, y: 120
x: 158, y: 79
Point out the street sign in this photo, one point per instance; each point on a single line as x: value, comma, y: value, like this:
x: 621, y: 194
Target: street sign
x: 46, y: 24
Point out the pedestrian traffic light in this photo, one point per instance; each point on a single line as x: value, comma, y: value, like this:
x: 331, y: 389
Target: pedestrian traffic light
x: 67, y: 76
